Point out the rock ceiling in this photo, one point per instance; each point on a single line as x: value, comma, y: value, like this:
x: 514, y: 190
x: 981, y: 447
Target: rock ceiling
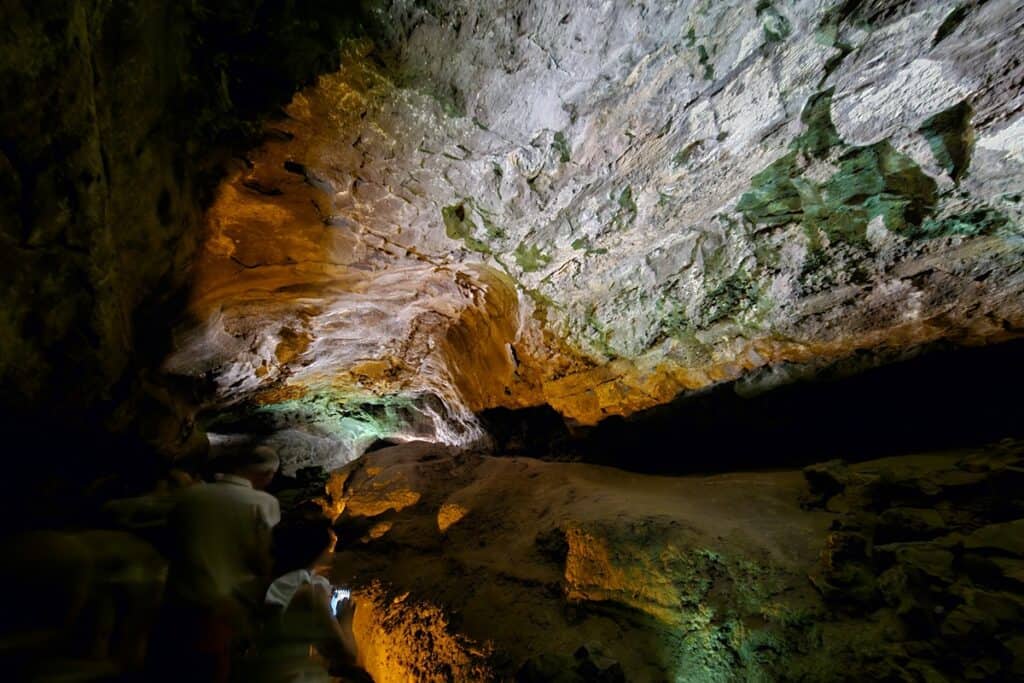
x: 598, y: 205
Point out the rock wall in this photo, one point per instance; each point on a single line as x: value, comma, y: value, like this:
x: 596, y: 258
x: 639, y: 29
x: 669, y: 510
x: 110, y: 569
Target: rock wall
x: 470, y: 568
x: 678, y: 194
x: 117, y: 117
x: 931, y: 548
x: 482, y: 205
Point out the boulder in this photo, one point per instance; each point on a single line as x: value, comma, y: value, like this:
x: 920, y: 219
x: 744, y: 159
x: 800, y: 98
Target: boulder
x: 998, y: 539
x: 995, y: 571
x: 593, y: 667
x: 982, y: 669
x: 923, y: 561
x: 913, y: 602
x: 925, y: 673
x: 547, y: 668
x: 909, y: 524
x: 967, y: 621
x: 1011, y: 573
x: 825, y: 479
x: 959, y: 482
x: 1015, y: 647
x: 984, y: 613
x: 90, y: 595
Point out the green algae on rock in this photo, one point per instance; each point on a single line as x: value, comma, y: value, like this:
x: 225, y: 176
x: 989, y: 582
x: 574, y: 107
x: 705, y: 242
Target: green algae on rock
x: 735, y: 191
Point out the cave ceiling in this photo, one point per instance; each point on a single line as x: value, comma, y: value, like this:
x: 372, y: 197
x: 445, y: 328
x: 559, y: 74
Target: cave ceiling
x: 599, y: 205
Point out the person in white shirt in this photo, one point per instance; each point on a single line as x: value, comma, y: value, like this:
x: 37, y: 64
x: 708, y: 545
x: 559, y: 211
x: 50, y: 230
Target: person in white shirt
x: 301, y: 628
x: 220, y: 566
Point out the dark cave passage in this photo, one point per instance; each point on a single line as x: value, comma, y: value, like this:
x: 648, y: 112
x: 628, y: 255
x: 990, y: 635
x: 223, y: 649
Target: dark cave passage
x: 936, y: 399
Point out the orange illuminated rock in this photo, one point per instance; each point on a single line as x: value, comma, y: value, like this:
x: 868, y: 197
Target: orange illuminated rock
x: 401, y: 639
x: 456, y: 234
x: 506, y: 560
x: 450, y: 514
x: 370, y: 505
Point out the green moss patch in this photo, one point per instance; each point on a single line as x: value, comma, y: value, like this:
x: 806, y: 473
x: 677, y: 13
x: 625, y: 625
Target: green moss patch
x: 626, y: 202
x: 705, y: 61
x: 776, y: 27
x: 596, y: 334
x: 530, y: 258
x: 583, y: 244
x: 736, y: 293
x: 951, y: 22
x: 672, y: 318
x: 870, y: 181
x: 819, y: 135
x: 983, y: 221
x: 459, y: 226
x: 773, y: 198
x: 561, y: 146
x: 683, y: 155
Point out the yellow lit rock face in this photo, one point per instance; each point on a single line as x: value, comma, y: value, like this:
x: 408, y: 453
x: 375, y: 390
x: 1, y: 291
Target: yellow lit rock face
x: 665, y: 575
x: 377, y: 531
x: 449, y: 514
x: 464, y: 217
x: 401, y: 639
x: 377, y: 503
x: 312, y: 281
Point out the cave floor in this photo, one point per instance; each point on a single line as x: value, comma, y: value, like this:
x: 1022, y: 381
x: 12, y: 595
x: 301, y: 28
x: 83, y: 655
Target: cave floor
x: 474, y: 567
x: 471, y: 567
x: 548, y: 557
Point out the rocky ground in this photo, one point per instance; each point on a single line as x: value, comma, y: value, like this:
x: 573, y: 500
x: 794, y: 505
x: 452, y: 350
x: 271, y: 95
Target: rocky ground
x: 468, y: 567
x: 473, y: 567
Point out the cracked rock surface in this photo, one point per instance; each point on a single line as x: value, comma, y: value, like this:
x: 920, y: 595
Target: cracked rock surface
x: 598, y: 205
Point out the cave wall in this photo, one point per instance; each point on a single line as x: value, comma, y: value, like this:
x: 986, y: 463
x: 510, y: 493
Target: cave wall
x: 496, y: 205
x: 677, y: 196
x: 117, y: 119
x: 897, y: 569
x: 691, y: 192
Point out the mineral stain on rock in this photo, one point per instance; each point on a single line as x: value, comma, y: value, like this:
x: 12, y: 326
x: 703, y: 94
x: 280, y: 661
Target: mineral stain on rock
x: 748, y: 174
x: 868, y: 182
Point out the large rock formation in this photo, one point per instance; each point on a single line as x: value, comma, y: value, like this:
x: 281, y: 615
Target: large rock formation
x: 587, y: 209
x: 116, y: 118
x: 600, y: 205
x: 473, y: 568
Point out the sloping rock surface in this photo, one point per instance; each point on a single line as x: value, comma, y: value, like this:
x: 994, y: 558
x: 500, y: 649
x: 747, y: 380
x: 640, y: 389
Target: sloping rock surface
x: 466, y: 567
x: 598, y: 205
x: 475, y: 568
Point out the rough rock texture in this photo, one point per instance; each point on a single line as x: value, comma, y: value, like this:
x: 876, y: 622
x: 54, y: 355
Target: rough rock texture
x: 115, y: 118
x: 475, y: 568
x: 933, y: 549
x: 85, y: 605
x: 597, y: 205
x: 88, y: 90
x: 502, y: 566
x: 403, y: 641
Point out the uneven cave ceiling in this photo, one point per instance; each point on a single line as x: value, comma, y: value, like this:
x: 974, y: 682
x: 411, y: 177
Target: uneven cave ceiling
x: 599, y: 205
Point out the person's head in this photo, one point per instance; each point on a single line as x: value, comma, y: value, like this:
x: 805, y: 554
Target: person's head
x: 301, y: 544
x: 259, y: 466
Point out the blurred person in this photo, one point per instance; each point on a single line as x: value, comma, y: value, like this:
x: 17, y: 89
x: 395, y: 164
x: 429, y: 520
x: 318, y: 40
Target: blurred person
x: 79, y: 602
x: 220, y: 565
x: 299, y: 616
